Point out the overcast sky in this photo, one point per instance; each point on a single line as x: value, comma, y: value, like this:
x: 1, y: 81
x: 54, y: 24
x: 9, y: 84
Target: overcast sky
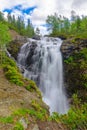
x: 38, y: 10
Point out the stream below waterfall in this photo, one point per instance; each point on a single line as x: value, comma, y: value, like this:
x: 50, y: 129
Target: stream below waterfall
x: 42, y: 61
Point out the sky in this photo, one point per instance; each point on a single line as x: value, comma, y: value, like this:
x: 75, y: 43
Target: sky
x: 38, y: 10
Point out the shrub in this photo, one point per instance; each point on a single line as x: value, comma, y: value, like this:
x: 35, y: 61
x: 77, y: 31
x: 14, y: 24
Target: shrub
x: 20, y: 112
x: 12, y: 75
x: 31, y: 86
x: 54, y: 117
x: 69, y: 60
x: 76, y: 118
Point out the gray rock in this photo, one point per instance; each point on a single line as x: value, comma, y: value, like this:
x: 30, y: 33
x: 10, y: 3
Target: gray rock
x: 36, y: 37
x: 35, y: 127
x: 24, y: 123
x: 69, y: 47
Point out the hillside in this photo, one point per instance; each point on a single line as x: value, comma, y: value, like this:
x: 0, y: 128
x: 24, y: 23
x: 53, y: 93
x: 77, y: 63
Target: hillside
x: 21, y: 106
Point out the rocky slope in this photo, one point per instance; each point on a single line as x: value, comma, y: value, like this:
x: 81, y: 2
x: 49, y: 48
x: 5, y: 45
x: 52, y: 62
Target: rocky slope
x: 75, y: 61
x: 15, y: 101
x: 72, y: 45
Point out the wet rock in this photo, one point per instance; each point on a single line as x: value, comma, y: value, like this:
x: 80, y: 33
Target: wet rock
x: 29, y: 59
x: 15, y: 45
x: 36, y: 37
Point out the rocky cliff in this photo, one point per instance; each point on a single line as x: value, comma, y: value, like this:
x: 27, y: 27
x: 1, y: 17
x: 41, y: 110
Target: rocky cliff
x: 74, y: 53
x: 71, y: 46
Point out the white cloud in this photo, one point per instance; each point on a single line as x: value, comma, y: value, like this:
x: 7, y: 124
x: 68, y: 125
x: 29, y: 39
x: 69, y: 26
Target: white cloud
x: 45, y: 8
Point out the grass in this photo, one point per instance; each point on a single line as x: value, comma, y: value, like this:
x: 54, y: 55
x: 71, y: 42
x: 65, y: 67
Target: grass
x: 18, y: 126
x: 6, y: 120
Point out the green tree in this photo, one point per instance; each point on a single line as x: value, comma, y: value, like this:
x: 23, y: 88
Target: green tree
x: 53, y: 22
x: 66, y: 24
x: 1, y: 16
x: 19, y: 23
x: 4, y: 37
x: 9, y: 17
x: 29, y: 29
x: 78, y: 23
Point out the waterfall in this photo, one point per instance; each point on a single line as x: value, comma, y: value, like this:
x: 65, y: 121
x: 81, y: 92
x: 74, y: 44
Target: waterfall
x: 42, y: 60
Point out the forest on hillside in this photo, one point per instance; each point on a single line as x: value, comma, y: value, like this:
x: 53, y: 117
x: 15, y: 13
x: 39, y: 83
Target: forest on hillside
x: 17, y: 24
x: 59, y: 25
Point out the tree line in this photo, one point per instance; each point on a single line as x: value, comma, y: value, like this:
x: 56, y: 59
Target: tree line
x: 75, y: 26
x: 18, y: 24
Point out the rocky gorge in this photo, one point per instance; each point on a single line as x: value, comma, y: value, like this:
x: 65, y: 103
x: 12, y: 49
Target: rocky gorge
x: 69, y: 48
x: 75, y: 66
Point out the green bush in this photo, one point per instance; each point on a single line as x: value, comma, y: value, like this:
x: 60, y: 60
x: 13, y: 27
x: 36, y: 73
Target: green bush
x: 54, y: 117
x: 69, y: 60
x: 12, y: 75
x: 76, y: 118
x: 31, y: 86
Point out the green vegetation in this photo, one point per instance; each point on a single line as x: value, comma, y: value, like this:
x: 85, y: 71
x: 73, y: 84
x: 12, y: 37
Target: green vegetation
x: 76, y: 118
x: 36, y: 112
x: 4, y: 34
x: 32, y: 86
x: 4, y: 38
x: 12, y: 75
x: 6, y: 119
x: 16, y: 24
x: 18, y: 126
x: 61, y: 26
x: 77, y: 66
x: 12, y: 72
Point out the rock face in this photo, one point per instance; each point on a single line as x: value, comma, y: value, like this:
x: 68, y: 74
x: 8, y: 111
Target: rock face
x: 36, y: 37
x: 29, y: 60
x: 14, y: 46
x: 73, y: 71
x: 70, y: 46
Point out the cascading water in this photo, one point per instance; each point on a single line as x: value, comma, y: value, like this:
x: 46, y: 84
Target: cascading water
x: 43, y: 63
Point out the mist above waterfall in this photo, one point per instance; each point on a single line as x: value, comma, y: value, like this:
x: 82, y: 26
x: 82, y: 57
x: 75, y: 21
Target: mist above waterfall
x: 42, y: 60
